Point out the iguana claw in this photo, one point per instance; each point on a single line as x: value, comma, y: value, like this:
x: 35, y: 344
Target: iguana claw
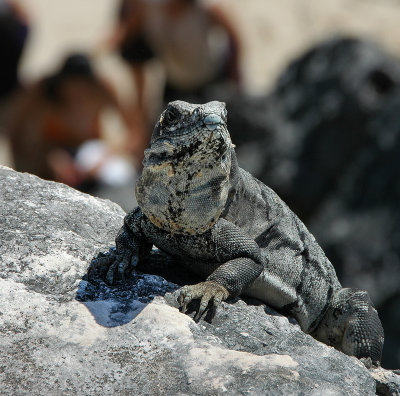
x: 207, y: 291
x: 111, y: 266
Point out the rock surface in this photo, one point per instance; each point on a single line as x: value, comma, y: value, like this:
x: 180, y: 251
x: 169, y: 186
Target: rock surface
x: 63, y: 335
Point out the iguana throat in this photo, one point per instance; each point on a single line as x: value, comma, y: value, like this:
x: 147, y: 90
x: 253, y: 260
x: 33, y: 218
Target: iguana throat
x: 185, y: 180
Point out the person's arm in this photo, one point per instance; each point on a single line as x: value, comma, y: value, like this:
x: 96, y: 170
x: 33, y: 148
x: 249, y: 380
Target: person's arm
x: 128, y: 24
x: 220, y: 18
x: 136, y: 139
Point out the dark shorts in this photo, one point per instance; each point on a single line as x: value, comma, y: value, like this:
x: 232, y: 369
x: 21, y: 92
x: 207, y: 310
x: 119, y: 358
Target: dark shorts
x: 136, y: 50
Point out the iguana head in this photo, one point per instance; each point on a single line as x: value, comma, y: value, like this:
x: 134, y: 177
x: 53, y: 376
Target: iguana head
x: 185, y: 180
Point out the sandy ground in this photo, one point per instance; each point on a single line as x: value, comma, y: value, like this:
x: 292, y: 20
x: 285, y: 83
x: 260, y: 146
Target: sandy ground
x: 273, y: 33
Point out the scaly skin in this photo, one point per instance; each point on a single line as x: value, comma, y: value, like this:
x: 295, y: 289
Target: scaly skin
x: 197, y: 205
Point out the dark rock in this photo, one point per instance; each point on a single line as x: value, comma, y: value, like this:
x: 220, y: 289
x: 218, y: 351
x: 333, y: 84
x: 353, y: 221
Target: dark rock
x: 329, y: 96
x: 342, y: 99
x: 359, y: 224
x: 61, y: 334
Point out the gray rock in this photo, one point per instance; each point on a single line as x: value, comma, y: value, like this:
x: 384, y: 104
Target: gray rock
x: 387, y: 382
x: 63, y: 335
x: 342, y: 99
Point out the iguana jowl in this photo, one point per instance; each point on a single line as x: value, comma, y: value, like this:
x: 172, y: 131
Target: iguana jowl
x: 198, y: 205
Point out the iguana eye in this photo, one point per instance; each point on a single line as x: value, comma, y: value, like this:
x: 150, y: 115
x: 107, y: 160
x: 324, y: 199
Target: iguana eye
x: 171, y: 116
x: 194, y: 113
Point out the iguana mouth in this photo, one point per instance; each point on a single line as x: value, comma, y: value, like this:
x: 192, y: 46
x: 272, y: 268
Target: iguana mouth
x: 159, y: 153
x: 210, y: 142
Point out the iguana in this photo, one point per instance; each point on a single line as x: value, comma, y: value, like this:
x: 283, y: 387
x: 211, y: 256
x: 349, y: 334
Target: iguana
x: 198, y: 205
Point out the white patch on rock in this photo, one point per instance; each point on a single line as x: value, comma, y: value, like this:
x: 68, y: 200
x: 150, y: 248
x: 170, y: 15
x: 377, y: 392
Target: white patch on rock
x: 169, y: 327
x: 57, y: 267
x: 34, y: 314
x: 77, y: 326
x: 220, y: 360
x: 166, y: 323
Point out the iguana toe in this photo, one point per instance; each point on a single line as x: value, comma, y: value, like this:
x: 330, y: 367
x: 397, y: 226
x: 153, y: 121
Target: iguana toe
x: 100, y: 264
x: 118, y: 268
x: 206, y: 291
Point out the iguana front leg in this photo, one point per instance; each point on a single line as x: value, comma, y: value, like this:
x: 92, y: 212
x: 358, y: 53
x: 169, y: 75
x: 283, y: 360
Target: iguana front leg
x: 240, y: 260
x: 131, y: 246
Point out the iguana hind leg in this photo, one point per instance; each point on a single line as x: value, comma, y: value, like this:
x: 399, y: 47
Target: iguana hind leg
x: 351, y: 324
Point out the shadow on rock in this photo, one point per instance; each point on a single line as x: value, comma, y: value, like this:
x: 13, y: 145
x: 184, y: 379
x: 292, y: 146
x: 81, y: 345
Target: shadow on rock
x: 119, y: 304
x: 158, y: 275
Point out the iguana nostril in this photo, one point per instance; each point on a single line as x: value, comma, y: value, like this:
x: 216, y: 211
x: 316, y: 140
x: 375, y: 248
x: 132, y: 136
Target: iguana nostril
x: 212, y: 121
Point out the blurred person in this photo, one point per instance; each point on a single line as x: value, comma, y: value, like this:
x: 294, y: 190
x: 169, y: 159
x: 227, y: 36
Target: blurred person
x: 55, y: 128
x: 196, y: 44
x: 14, y: 30
x: 130, y: 40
